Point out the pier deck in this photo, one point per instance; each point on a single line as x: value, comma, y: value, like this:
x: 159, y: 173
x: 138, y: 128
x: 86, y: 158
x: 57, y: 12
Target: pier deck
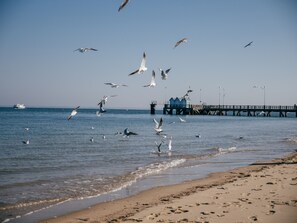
x: 235, y: 110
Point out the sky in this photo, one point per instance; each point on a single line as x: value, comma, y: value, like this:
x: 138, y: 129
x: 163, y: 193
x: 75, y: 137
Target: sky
x: 39, y: 67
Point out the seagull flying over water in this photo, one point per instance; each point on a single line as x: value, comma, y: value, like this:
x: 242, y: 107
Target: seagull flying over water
x: 170, y: 144
x: 159, y: 146
x: 127, y: 133
x: 183, y: 40
x: 182, y: 120
x: 249, y: 44
x: 104, y: 100
x: 125, y: 2
x: 114, y: 85
x: 158, y: 126
x: 142, y: 67
x: 27, y: 142
x: 153, y: 81
x: 164, y: 74
x: 73, y: 113
x: 83, y: 50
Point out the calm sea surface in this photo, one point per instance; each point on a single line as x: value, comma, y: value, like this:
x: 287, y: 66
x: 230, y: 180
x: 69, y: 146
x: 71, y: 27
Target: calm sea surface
x: 62, y: 170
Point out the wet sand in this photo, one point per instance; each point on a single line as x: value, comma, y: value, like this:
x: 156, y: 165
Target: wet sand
x: 262, y: 192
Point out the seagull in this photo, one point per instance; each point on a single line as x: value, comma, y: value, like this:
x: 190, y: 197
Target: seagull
x: 99, y: 113
x: 183, y: 40
x: 73, y: 113
x: 187, y: 94
x: 114, y: 85
x: 158, y: 126
x: 198, y: 136
x: 182, y: 120
x: 26, y: 142
x: 142, y: 67
x: 83, y: 50
x: 27, y: 129
x: 153, y: 81
x: 123, y: 5
x: 250, y: 43
x: 91, y: 139
x: 104, y: 100
x: 164, y: 74
x: 127, y: 133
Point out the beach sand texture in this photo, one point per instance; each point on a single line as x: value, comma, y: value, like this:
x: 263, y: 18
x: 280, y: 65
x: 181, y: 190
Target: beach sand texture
x: 264, y: 192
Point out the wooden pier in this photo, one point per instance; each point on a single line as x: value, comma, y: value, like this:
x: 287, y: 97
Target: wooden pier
x: 233, y: 110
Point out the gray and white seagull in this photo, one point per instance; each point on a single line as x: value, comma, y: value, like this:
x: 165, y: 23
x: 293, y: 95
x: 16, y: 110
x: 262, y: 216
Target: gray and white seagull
x: 164, y: 74
x: 183, y: 40
x: 153, y: 81
x: 73, y: 113
x: 114, y: 85
x: 83, y: 50
x: 142, y: 67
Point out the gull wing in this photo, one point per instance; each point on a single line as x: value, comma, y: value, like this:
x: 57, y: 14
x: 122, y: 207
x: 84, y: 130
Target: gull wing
x: 134, y: 72
x: 124, y: 3
x: 143, y: 62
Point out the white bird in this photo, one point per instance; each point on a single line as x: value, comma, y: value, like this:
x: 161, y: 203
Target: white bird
x: 125, y: 2
x: 249, y: 44
x: 73, y: 113
x: 142, y: 67
x: 181, y: 120
x: 183, y: 40
x: 104, y: 100
x: 158, y: 126
x: 114, y: 85
x: 83, y: 50
x: 27, y: 129
x: 91, y: 139
x: 153, y: 81
x: 164, y: 74
x: 187, y: 94
x: 127, y: 133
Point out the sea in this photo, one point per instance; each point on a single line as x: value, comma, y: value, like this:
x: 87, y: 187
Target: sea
x: 51, y: 166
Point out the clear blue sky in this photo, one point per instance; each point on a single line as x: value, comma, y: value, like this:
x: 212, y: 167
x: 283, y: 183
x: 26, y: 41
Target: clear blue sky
x: 39, y: 68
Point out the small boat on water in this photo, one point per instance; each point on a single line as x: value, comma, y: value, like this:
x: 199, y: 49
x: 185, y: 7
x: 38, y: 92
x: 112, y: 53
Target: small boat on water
x: 19, y: 106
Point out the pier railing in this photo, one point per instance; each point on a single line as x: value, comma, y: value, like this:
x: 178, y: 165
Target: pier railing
x: 236, y: 110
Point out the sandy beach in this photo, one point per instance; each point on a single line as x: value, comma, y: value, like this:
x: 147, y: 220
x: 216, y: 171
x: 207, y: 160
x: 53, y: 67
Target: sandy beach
x: 262, y: 192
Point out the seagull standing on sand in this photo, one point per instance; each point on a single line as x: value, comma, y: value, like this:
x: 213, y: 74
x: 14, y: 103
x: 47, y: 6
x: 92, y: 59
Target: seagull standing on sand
x: 125, y: 2
x: 114, y: 85
x: 164, y: 74
x: 142, y: 67
x: 158, y: 126
x: 183, y: 40
x: 73, y: 113
x: 127, y: 133
x: 249, y: 44
x: 153, y: 81
x: 83, y: 50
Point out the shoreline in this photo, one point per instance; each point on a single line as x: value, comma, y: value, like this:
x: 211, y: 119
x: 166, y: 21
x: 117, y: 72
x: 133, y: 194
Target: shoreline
x: 264, y: 191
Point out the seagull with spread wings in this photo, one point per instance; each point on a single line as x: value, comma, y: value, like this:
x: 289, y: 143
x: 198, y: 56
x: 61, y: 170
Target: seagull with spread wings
x: 183, y: 40
x: 142, y: 67
x: 153, y: 81
x: 164, y: 74
x: 158, y: 125
x: 114, y: 85
x: 73, y: 113
x: 83, y: 50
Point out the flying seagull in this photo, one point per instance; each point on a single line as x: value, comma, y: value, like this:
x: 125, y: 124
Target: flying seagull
x: 125, y: 2
x: 104, y: 100
x: 249, y: 44
x: 187, y: 94
x: 142, y: 67
x: 83, y: 50
x: 170, y: 144
x: 153, y: 81
x: 181, y: 120
x: 164, y: 74
x: 73, y: 113
x: 183, y: 40
x: 114, y: 85
x: 127, y: 133
x: 158, y: 126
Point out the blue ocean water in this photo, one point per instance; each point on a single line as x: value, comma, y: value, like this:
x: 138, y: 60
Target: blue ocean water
x: 62, y: 170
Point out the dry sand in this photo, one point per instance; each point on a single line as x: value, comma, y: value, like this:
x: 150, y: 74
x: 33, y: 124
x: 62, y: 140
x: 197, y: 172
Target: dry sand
x: 265, y: 192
